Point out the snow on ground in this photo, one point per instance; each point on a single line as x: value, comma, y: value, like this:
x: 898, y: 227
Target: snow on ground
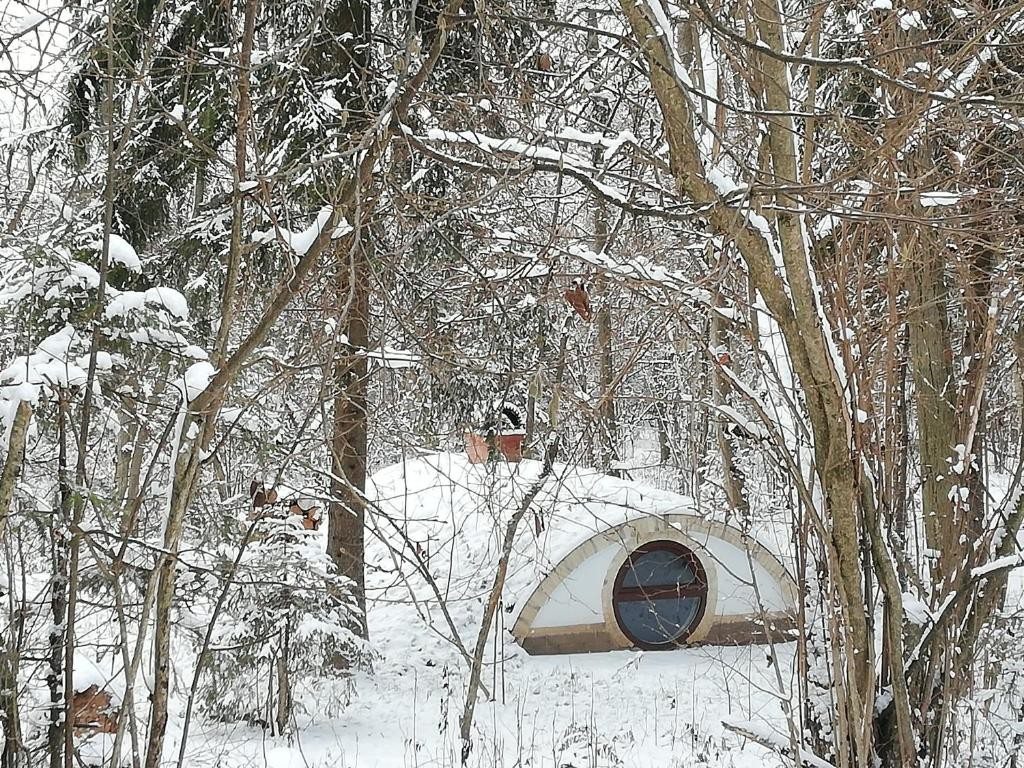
x: 642, y: 709
x: 657, y: 709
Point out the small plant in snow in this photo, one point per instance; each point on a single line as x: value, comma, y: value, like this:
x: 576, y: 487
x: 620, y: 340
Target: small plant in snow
x: 582, y: 746
x: 286, y: 617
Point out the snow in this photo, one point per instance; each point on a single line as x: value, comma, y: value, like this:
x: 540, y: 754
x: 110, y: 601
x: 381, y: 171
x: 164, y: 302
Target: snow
x: 509, y: 145
x: 436, y: 497
x: 645, y: 710
x: 80, y: 274
x: 299, y: 242
x: 525, y: 271
x: 751, y: 428
x: 328, y: 100
x: 915, y: 609
x: 390, y: 357
x: 640, y: 268
x: 88, y: 672
x: 58, y: 345
x: 999, y: 564
x: 124, y: 303
x: 163, y: 338
x: 169, y: 299
x: 723, y: 182
x: 195, y: 379
x: 104, y: 362
x: 610, y: 145
x: 912, y: 20
x: 932, y: 199
x: 243, y: 419
x: 121, y: 252
x: 51, y: 364
x: 779, y: 740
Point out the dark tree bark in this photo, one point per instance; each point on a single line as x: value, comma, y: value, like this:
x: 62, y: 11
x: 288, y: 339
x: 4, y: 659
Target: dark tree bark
x: 350, y: 27
x: 347, y: 510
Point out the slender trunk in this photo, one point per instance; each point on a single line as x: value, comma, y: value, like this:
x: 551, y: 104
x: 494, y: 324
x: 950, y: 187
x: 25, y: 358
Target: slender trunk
x: 10, y: 658
x: 243, y: 111
x: 347, y: 510
x: 58, y: 595
x: 664, y: 446
x: 732, y: 475
x: 494, y: 597
x: 607, y: 423
x: 284, y: 685
x: 186, y: 472
x: 13, y: 461
x: 126, y: 448
x: 9, y: 709
x: 607, y: 426
x: 931, y: 363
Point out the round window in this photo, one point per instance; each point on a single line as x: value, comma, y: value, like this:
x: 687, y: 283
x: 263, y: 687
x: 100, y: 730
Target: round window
x: 660, y: 594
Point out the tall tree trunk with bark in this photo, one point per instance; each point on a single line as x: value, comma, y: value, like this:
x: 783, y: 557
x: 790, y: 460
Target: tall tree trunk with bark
x: 783, y: 275
x: 935, y: 391
x: 13, y: 461
x: 347, y: 511
x: 59, y: 535
x: 350, y: 22
x: 732, y: 475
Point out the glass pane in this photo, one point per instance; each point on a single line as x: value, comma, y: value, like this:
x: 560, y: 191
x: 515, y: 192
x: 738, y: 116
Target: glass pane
x: 660, y: 568
x: 658, y: 621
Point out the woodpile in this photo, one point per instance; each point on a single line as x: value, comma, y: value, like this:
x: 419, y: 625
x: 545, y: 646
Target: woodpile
x: 280, y: 501
x: 93, y: 711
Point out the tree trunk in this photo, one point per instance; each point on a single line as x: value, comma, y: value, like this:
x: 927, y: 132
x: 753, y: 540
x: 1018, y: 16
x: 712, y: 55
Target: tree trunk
x: 732, y: 475
x: 931, y: 363
x: 58, y: 595
x: 347, y: 510
x: 283, y: 709
x: 186, y: 471
x: 13, y: 461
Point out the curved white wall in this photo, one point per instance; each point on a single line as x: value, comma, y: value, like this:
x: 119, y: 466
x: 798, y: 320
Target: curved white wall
x: 750, y: 595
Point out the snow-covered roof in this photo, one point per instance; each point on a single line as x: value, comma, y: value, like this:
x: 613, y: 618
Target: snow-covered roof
x: 444, y: 516
x: 443, y: 497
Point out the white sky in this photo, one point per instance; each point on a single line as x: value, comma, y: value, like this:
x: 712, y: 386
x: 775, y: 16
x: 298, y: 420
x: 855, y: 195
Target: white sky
x: 32, y: 35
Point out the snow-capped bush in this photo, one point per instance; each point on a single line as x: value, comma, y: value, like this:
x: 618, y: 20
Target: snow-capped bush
x: 286, y: 617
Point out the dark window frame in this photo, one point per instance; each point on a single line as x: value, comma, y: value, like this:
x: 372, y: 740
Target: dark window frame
x: 698, y: 588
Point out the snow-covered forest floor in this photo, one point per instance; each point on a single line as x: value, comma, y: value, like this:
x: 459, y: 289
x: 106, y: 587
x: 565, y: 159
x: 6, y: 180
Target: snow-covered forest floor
x: 566, y: 711
x: 601, y: 710
x: 586, y: 711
